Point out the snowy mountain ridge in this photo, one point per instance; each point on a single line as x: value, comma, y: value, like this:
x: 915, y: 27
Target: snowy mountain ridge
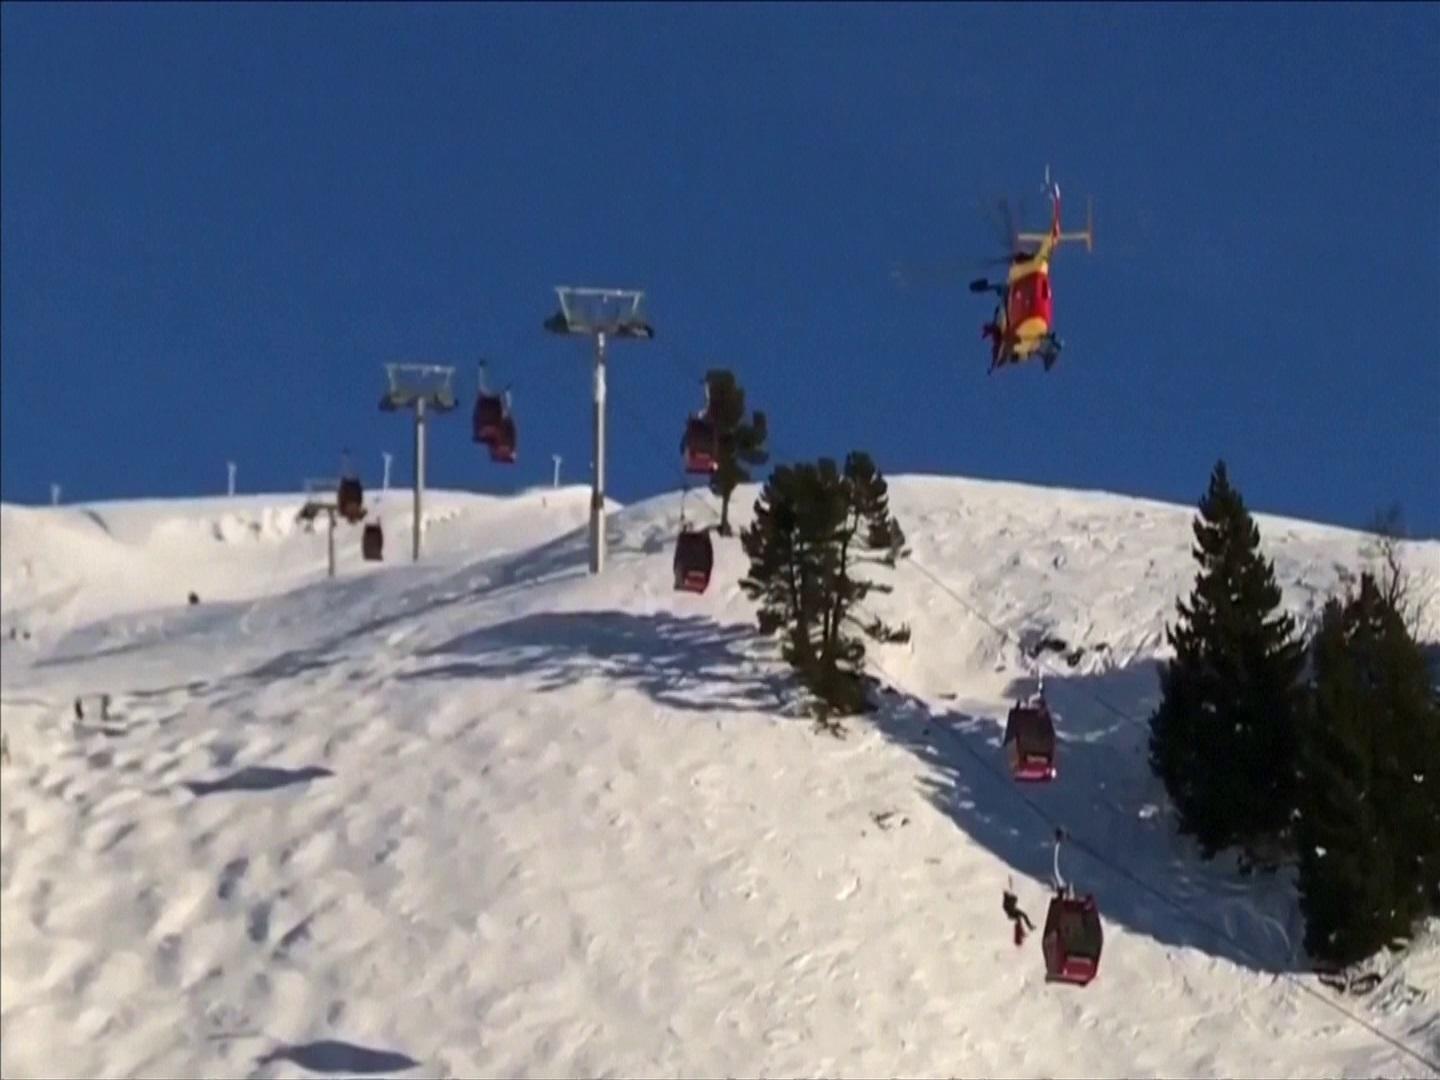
x: 489, y: 815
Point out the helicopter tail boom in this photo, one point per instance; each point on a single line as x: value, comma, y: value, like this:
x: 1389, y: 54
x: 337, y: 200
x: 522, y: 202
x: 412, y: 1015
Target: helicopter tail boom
x: 1087, y: 235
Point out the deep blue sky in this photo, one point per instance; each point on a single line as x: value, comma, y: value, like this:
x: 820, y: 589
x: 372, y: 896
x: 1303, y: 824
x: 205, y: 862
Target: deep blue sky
x: 218, y: 222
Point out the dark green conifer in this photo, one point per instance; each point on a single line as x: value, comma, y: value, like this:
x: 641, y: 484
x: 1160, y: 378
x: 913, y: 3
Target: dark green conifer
x: 1224, y: 736
x: 738, y: 443
x: 814, y: 527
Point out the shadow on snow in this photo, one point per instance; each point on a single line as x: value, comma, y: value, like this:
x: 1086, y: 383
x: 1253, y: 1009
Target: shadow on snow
x: 257, y: 778
x: 1107, y: 799
x: 682, y: 662
x: 333, y: 1056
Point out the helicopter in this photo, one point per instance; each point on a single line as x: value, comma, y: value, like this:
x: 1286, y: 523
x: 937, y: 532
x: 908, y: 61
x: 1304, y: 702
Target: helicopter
x: 1023, y: 324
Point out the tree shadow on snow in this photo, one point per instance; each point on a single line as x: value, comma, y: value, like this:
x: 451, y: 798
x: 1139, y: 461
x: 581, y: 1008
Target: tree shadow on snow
x: 564, y: 556
x: 257, y: 778
x: 333, y: 1056
x: 1112, y: 806
x: 688, y: 662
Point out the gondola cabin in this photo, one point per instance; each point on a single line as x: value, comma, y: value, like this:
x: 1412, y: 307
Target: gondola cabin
x: 372, y: 543
x: 1072, y: 940
x: 502, y: 447
x: 694, y: 559
x: 350, y: 499
x: 487, y: 418
x: 700, y: 447
x: 1030, y: 742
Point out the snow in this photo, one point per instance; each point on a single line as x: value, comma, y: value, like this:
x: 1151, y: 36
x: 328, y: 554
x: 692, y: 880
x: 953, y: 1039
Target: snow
x: 486, y: 815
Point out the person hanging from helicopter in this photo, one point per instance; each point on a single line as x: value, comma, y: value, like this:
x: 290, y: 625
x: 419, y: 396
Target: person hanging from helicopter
x: 995, y: 331
x: 1010, y: 904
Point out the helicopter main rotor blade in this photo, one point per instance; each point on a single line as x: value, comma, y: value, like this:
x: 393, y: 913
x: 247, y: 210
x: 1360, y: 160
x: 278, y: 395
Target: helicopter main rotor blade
x: 1009, y: 223
x: 905, y: 274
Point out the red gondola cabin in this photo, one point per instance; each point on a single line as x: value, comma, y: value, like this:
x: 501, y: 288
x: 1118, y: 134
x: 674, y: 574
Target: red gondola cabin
x: 372, y: 543
x: 1072, y: 940
x: 699, y: 447
x: 502, y: 448
x: 350, y: 499
x: 487, y: 418
x: 1030, y: 742
x: 694, y: 559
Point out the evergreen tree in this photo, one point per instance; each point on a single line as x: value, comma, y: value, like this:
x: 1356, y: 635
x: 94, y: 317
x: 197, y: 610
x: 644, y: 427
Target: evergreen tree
x: 1223, y: 738
x: 738, y: 443
x: 814, y: 527
x: 1369, y: 823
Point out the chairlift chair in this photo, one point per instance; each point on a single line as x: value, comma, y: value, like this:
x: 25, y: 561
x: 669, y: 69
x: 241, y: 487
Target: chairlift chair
x: 694, y: 559
x: 1030, y: 742
x: 372, y: 542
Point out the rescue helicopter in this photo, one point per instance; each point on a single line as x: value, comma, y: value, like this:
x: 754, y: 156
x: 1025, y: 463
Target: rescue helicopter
x: 1023, y: 324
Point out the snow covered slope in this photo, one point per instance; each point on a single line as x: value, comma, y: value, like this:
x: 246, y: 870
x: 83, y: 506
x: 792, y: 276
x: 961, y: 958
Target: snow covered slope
x: 487, y: 815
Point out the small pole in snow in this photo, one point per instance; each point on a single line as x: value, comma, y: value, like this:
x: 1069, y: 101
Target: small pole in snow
x: 385, y: 483
x: 557, y: 459
x: 54, y: 494
x: 230, y: 483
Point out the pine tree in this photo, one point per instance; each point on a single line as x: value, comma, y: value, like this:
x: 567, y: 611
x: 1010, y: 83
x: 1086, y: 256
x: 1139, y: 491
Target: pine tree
x: 1369, y: 823
x: 1223, y: 738
x: 738, y: 443
x: 814, y: 527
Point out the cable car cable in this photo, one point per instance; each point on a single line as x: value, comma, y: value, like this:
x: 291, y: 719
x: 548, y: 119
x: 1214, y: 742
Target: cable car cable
x: 1163, y: 897
x: 1089, y: 849
x: 1124, y: 871
x: 646, y: 426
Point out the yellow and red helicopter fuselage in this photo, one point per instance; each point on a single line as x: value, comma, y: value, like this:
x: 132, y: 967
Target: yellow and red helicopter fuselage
x: 1023, y: 325
x: 1028, y: 309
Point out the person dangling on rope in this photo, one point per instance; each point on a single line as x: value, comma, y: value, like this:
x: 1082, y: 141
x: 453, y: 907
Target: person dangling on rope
x: 1011, y: 906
